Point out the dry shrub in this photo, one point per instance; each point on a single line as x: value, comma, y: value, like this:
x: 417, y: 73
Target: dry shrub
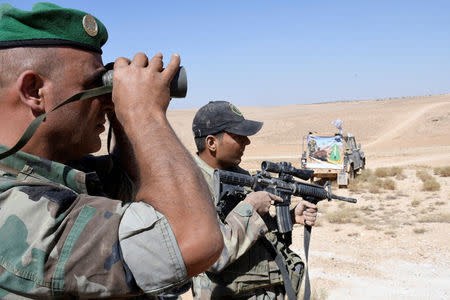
x: 400, y: 176
x: 367, y: 209
x: 381, y: 172
x: 439, y: 203
x: 374, y: 189
x: 436, y: 218
x: 389, y: 172
x: 442, y: 171
x: 342, y: 216
x: 431, y: 184
x: 371, y: 227
x: 388, y: 184
x: 391, y: 233
x: 354, y: 186
x: 422, y: 175
x: 365, y: 176
x: 415, y: 203
x: 401, y: 194
x: 419, y: 230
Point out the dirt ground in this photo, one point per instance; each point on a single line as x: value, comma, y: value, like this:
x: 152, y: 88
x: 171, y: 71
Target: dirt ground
x: 392, y: 244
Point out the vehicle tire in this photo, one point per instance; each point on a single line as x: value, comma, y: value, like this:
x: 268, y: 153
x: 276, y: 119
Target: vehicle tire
x: 351, y: 173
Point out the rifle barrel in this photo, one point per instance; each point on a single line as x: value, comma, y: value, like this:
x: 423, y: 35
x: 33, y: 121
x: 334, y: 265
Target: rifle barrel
x: 351, y: 200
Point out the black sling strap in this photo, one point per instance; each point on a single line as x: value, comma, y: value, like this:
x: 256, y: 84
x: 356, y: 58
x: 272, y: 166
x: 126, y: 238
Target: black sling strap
x: 31, y: 129
x: 306, y: 238
x: 282, y: 266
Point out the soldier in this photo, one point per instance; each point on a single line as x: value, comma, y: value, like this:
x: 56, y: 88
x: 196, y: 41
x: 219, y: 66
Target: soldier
x: 139, y: 221
x: 246, y: 269
x: 312, y: 146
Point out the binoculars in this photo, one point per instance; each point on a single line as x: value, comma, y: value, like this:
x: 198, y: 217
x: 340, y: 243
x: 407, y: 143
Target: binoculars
x: 178, y: 85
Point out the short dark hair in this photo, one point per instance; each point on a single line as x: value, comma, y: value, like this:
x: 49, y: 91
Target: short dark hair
x: 200, y: 142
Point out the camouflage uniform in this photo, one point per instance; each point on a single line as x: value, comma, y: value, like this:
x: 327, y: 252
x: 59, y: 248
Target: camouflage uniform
x: 245, y: 269
x: 61, y: 234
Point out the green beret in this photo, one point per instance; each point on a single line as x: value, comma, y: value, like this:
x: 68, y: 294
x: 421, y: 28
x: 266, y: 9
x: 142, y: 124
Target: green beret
x: 48, y: 24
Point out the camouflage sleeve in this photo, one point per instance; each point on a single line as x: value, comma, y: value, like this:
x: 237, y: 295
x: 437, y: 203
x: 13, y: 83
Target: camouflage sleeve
x: 150, y: 249
x: 241, y: 229
x: 56, y: 243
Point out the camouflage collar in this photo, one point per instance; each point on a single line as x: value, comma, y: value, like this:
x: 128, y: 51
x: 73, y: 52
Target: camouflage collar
x: 33, y: 168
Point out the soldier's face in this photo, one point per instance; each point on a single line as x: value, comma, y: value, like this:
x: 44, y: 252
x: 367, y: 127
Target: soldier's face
x: 77, y: 126
x: 230, y: 149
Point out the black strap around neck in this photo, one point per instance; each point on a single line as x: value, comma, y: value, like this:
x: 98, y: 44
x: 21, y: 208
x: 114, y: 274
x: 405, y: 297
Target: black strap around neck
x: 31, y: 129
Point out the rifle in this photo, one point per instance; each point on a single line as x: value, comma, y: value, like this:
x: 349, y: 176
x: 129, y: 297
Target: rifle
x: 231, y: 185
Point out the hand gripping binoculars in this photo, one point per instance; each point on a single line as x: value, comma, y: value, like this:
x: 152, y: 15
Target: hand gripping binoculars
x: 178, y: 85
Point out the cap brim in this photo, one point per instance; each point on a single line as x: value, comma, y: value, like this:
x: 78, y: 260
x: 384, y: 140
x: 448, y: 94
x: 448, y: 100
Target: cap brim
x: 246, y: 128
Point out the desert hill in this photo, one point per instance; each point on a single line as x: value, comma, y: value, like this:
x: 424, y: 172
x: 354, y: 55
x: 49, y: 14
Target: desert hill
x: 397, y: 131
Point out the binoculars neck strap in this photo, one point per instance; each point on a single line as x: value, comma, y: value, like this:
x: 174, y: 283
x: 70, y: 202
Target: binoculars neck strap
x: 31, y: 129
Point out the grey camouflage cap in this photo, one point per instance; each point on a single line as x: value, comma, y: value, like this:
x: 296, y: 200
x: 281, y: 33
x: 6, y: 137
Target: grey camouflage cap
x: 219, y: 116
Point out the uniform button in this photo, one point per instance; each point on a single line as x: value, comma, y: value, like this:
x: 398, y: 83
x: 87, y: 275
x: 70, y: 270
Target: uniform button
x: 261, y: 231
x: 249, y: 212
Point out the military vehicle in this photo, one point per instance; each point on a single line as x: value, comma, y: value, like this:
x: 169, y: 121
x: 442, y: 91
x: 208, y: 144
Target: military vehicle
x: 335, y: 157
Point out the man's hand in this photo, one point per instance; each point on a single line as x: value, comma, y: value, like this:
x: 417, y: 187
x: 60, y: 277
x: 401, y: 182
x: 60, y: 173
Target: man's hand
x: 262, y: 201
x: 142, y: 87
x: 305, y: 213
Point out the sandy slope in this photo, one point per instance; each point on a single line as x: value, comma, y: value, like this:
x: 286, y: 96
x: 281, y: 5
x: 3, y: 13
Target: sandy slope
x: 388, y: 249
x: 398, y: 131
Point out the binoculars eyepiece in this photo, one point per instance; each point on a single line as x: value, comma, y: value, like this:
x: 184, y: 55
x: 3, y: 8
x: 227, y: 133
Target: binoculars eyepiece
x: 178, y: 85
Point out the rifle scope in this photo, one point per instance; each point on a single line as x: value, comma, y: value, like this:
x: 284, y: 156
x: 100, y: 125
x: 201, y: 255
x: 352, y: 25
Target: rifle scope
x: 287, y: 168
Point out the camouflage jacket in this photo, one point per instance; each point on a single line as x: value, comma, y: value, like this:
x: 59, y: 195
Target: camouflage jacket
x: 245, y: 267
x: 63, y: 236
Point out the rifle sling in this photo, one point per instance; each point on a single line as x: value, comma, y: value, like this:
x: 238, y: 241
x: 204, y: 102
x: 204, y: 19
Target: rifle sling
x: 31, y: 129
x: 282, y: 266
x: 306, y: 238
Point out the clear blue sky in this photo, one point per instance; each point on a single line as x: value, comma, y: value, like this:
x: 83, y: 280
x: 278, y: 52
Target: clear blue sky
x: 261, y: 53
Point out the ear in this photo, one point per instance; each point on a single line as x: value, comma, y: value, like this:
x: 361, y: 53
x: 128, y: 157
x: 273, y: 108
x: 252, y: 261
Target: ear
x: 211, y: 143
x: 30, y: 88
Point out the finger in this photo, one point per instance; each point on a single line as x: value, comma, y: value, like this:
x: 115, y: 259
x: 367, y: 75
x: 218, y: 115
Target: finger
x: 309, y: 204
x: 121, y: 62
x: 156, y: 62
x: 311, y: 209
x: 140, y: 60
x: 309, y: 222
x: 173, y: 66
x: 275, y: 198
x: 309, y: 214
